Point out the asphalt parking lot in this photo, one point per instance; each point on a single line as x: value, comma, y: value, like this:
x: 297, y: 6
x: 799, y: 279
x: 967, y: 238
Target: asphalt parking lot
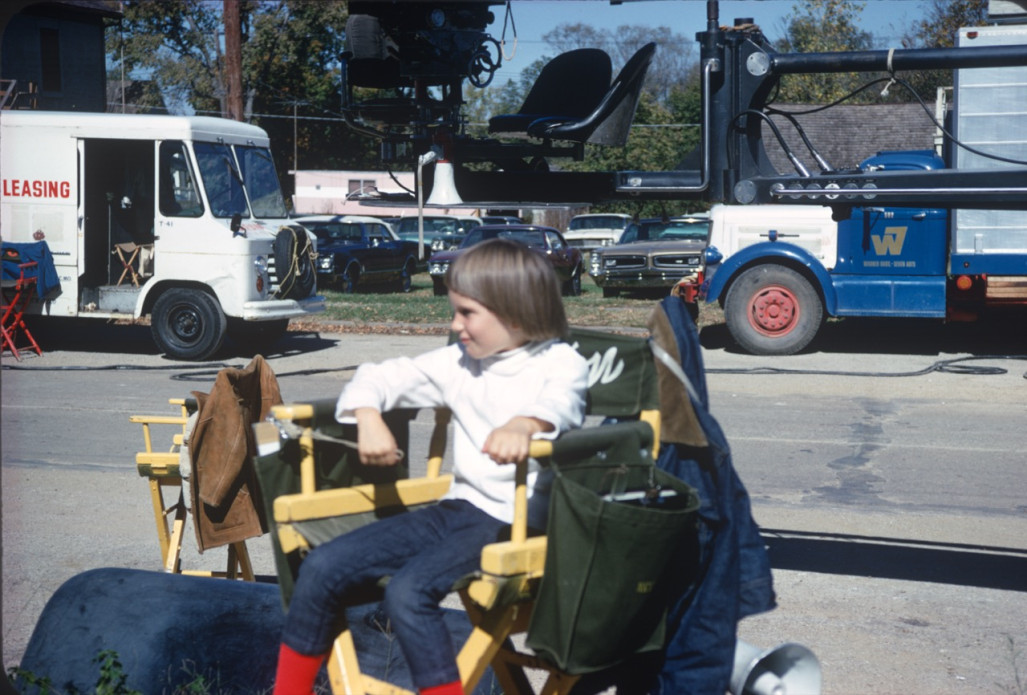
x: 888, y: 479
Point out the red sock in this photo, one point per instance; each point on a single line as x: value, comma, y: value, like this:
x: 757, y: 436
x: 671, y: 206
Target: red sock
x: 296, y: 672
x: 453, y: 688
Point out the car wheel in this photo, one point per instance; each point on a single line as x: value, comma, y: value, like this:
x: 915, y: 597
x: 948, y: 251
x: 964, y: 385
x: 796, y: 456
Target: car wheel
x: 572, y: 288
x: 405, y: 276
x: 772, y: 310
x: 348, y: 280
x: 610, y: 292
x: 188, y: 324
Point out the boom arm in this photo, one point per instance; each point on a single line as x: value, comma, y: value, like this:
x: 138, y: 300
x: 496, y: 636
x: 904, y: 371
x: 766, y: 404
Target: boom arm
x: 739, y: 71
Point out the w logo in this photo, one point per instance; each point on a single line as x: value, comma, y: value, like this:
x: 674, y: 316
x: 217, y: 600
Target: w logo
x: 604, y: 368
x: 889, y: 243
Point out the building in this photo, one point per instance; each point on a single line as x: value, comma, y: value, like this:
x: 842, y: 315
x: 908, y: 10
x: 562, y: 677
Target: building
x: 52, y: 54
x: 847, y: 134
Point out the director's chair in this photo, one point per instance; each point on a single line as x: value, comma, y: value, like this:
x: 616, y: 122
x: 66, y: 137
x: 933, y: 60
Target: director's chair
x: 163, y: 470
x: 315, y: 489
x: 133, y: 266
x: 17, y: 293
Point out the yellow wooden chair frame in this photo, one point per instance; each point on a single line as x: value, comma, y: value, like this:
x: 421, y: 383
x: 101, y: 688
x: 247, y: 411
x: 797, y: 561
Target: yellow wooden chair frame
x: 162, y: 470
x: 497, y: 600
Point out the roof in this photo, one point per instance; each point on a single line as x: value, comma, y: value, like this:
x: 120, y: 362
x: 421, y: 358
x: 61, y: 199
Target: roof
x: 847, y: 134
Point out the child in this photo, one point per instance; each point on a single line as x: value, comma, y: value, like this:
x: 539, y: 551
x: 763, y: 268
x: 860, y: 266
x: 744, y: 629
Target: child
x: 509, y: 378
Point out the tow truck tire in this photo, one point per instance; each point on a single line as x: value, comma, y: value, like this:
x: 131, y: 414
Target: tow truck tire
x: 188, y: 324
x: 256, y: 336
x: 773, y: 310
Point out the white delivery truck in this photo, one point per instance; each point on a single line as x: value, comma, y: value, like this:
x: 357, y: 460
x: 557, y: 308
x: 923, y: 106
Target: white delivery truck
x: 177, y: 218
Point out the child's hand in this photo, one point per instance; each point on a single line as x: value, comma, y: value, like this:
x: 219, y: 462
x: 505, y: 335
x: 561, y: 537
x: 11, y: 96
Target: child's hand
x: 509, y: 443
x: 375, y: 443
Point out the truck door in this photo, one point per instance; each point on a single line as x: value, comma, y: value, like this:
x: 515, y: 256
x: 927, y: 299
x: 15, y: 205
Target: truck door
x: 892, y: 261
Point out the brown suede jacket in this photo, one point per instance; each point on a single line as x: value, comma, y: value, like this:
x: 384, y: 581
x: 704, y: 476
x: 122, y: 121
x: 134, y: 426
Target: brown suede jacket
x: 226, y: 499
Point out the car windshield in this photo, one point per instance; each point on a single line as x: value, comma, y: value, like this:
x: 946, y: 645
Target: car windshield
x: 696, y: 229
x: 337, y: 231
x: 433, y: 225
x: 258, y: 171
x: 221, y: 178
x: 528, y: 237
x: 597, y: 222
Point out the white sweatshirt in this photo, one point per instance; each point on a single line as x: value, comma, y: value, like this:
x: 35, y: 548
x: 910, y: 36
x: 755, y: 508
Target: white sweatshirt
x: 545, y: 380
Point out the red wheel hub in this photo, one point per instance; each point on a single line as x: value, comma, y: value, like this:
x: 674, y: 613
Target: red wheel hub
x: 774, y: 311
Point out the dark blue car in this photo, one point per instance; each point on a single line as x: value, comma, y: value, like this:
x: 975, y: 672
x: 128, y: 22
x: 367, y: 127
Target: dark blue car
x: 355, y: 250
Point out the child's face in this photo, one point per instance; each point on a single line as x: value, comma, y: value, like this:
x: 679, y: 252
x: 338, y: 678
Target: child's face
x: 481, y: 332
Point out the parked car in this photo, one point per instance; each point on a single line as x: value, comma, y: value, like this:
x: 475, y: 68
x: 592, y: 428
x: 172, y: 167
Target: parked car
x: 566, y: 260
x: 596, y: 230
x: 652, y: 253
x: 355, y: 250
x: 440, y: 231
x: 501, y: 219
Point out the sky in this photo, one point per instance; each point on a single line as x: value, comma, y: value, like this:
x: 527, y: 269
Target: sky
x: 888, y: 20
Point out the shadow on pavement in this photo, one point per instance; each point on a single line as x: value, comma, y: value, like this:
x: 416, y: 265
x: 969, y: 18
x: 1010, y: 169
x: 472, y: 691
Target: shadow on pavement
x: 97, y: 336
x: 889, y: 558
x: 995, y: 333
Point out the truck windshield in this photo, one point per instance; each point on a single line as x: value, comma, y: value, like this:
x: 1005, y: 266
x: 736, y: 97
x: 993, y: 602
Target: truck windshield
x: 258, y: 171
x: 221, y: 179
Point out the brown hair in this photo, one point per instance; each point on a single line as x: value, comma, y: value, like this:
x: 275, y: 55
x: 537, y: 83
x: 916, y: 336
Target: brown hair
x: 515, y: 283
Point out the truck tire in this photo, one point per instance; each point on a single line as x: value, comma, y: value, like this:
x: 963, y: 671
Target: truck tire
x: 188, y: 324
x: 256, y: 336
x: 772, y: 310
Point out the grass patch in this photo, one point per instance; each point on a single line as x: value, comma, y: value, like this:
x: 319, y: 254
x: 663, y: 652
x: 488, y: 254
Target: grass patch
x: 419, y: 306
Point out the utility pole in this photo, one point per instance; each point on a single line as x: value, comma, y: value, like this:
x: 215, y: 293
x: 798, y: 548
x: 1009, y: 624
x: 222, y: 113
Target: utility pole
x: 233, y: 59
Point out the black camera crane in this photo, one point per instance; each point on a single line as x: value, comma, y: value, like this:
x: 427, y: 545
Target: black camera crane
x: 420, y: 54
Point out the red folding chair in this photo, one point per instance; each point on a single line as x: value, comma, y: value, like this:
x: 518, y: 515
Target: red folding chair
x: 16, y: 296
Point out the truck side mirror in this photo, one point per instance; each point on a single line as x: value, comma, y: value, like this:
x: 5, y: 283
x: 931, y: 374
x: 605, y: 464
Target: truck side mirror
x: 236, y: 225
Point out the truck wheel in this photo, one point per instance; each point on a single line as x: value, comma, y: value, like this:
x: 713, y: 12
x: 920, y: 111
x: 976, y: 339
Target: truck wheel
x: 772, y: 310
x: 256, y: 336
x: 572, y: 288
x: 439, y: 288
x: 611, y: 292
x: 294, y: 263
x: 188, y: 324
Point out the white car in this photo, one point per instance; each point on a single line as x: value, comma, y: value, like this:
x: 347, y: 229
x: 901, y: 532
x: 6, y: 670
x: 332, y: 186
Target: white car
x: 596, y: 230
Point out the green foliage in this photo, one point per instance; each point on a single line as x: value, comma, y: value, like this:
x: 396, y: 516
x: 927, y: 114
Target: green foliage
x: 111, y: 681
x: 938, y: 29
x: 290, y: 65
x: 819, y: 26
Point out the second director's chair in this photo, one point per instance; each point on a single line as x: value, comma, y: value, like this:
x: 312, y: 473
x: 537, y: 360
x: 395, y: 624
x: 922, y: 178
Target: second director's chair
x: 319, y: 489
x: 163, y: 471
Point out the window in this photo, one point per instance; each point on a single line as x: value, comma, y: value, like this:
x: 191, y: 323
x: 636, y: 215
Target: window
x: 361, y: 185
x: 178, y: 194
x: 50, y: 59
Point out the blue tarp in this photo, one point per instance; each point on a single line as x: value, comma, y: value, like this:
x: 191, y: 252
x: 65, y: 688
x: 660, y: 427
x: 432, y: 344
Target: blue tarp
x: 47, y: 282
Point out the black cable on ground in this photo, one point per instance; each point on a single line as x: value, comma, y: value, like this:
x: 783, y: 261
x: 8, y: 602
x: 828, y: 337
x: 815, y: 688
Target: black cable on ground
x: 952, y: 366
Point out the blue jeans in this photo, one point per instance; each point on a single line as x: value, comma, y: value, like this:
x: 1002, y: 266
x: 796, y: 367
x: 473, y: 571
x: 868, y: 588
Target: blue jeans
x: 425, y: 552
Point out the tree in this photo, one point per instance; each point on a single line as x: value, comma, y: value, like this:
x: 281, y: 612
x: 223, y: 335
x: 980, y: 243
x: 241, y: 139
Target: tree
x: 672, y: 65
x: 822, y: 26
x: 290, y: 71
x: 938, y: 29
